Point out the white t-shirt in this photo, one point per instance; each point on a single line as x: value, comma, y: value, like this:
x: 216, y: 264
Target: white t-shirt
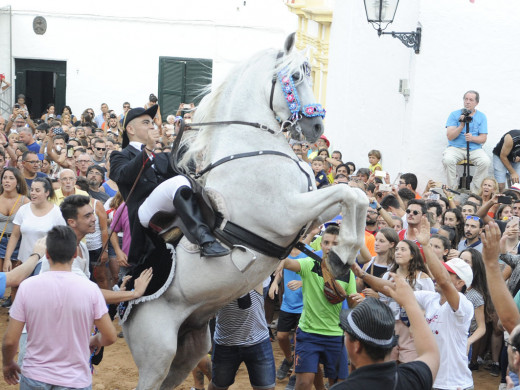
x: 450, y: 329
x: 79, y: 265
x: 33, y: 228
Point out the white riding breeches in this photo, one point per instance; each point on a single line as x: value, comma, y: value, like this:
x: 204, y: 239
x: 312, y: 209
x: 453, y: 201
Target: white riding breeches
x: 161, y: 199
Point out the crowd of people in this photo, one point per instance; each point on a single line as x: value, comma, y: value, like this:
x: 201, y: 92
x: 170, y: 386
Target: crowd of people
x: 432, y: 296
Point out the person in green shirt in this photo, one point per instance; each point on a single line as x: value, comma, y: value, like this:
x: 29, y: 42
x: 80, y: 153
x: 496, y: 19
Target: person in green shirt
x: 319, y: 337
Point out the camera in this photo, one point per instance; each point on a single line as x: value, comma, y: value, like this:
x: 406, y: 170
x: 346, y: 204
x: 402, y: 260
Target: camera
x: 467, y: 116
x: 16, y: 105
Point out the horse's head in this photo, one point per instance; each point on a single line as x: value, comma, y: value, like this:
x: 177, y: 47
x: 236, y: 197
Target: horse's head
x: 292, y: 97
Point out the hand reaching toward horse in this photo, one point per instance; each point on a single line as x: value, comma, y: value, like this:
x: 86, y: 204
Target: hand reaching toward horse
x: 141, y: 283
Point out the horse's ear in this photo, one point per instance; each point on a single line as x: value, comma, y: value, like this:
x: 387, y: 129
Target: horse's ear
x: 289, y: 43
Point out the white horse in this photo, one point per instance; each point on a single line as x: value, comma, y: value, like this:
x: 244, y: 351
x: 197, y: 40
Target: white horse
x: 268, y: 194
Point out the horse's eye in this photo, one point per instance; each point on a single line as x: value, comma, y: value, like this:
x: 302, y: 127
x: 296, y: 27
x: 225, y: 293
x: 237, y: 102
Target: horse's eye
x: 296, y: 76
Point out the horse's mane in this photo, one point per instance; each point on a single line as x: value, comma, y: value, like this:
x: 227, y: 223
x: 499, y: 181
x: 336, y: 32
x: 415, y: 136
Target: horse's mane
x: 196, y: 142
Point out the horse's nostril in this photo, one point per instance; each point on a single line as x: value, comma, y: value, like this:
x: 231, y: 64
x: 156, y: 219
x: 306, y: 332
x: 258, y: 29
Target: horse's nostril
x: 317, y: 129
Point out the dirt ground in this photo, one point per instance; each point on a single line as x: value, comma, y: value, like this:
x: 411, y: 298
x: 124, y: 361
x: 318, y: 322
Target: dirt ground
x: 118, y: 371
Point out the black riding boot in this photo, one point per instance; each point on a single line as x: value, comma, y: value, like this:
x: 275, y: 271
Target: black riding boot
x: 195, y: 228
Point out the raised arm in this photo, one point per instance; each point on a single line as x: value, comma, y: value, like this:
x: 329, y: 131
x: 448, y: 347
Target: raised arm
x: 500, y: 295
x: 439, y: 272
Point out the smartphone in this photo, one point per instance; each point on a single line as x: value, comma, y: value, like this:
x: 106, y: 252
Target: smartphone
x: 385, y: 187
x: 187, y: 120
x: 16, y: 105
x: 437, y: 191
x: 380, y: 173
x: 505, y: 200
x: 434, y: 197
x: 70, y: 151
x: 186, y: 106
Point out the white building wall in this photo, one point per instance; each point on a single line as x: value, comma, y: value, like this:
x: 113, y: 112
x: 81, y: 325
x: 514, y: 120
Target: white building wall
x: 112, y: 48
x: 464, y: 46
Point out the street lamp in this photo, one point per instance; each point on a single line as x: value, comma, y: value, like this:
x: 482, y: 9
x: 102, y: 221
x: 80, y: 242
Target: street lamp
x: 383, y: 12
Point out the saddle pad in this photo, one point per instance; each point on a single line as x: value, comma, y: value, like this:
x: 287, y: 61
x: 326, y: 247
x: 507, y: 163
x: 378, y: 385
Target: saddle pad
x: 158, y: 285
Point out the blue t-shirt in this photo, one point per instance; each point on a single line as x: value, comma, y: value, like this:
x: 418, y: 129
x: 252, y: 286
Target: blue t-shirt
x: 292, y: 301
x: 476, y: 127
x: 34, y: 147
x: 3, y: 283
x: 29, y: 181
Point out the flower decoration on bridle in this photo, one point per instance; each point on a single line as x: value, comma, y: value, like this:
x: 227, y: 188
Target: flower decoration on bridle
x: 293, y: 101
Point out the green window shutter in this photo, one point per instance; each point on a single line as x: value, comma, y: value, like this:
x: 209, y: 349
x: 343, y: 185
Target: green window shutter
x: 182, y: 80
x: 198, y: 77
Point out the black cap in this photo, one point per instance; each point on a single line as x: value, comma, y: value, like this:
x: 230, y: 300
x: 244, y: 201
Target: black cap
x: 372, y: 322
x: 135, y: 113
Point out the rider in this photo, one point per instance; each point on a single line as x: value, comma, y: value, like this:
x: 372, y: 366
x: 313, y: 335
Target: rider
x: 139, y: 139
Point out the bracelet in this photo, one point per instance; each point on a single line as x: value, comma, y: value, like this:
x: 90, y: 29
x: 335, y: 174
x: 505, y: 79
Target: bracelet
x: 35, y: 254
x: 363, y: 275
x: 379, y: 209
x: 450, y: 197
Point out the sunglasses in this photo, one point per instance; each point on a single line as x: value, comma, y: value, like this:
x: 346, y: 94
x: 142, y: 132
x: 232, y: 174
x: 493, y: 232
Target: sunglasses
x: 101, y: 149
x: 414, y: 212
x: 473, y: 217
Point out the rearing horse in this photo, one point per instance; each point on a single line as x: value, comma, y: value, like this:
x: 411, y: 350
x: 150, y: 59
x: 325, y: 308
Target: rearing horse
x: 270, y: 193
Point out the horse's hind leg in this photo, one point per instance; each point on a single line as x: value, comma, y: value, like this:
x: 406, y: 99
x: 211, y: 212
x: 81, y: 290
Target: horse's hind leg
x: 191, y: 347
x: 151, y: 333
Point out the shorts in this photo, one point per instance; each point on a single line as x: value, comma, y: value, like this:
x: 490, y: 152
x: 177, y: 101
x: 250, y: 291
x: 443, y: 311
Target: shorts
x: 287, y: 321
x: 404, y: 351
x: 258, y: 358
x: 31, y: 384
x: 311, y: 349
x: 500, y: 171
x: 3, y: 247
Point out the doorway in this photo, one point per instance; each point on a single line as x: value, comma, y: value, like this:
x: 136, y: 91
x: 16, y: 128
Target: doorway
x: 42, y: 82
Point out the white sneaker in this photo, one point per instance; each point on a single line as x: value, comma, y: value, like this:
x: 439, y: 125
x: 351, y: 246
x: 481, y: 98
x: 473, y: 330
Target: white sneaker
x: 502, y: 386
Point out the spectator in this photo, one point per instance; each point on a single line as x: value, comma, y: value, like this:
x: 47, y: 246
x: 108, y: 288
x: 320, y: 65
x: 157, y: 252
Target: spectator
x: 319, y: 173
x: 506, y: 158
x: 374, y: 159
x: 458, y: 139
x: 96, y: 177
x: 369, y: 331
x: 385, y: 245
x: 76, y: 302
x: 26, y: 136
x: 67, y: 179
x: 50, y: 110
x: 416, y: 209
x: 409, y: 181
x: 13, y: 195
x: 99, y: 148
x: 472, y: 230
x: 241, y: 335
x: 31, y: 166
x: 100, y: 118
x: 153, y: 101
x: 109, y: 185
x: 318, y: 336
x: 32, y: 221
x: 83, y: 162
x: 409, y: 264
x: 453, y: 218
x: 483, y: 307
x: 449, y: 314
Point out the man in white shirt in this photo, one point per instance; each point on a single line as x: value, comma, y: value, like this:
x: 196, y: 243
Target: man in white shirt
x: 448, y: 313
